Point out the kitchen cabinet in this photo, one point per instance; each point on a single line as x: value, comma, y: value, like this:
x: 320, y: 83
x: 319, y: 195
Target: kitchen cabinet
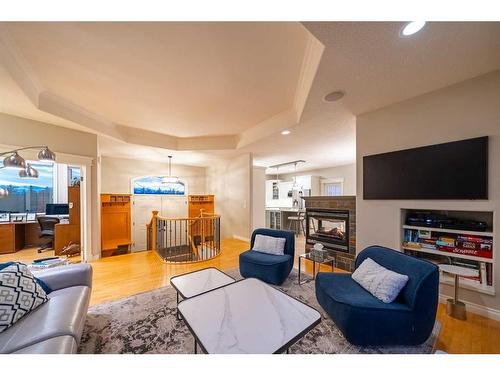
x: 273, y: 219
x: 311, y: 183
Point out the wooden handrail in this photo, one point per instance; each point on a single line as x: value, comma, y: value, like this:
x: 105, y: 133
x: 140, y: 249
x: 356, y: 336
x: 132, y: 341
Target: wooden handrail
x: 186, y: 218
x: 200, y: 234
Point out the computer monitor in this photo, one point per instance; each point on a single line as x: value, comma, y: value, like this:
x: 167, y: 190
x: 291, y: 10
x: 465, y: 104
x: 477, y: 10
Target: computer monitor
x: 57, y: 209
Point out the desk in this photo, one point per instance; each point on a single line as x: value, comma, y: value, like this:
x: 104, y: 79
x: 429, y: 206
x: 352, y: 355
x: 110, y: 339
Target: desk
x: 14, y: 236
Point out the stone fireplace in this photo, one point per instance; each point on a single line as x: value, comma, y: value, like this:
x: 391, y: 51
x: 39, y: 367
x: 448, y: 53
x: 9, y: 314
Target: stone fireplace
x: 331, y: 221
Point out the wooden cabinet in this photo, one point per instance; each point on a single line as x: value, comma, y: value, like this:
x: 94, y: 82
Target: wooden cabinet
x: 199, y: 203
x: 115, y: 224
x: 11, y: 240
x: 74, y: 204
x: 64, y: 234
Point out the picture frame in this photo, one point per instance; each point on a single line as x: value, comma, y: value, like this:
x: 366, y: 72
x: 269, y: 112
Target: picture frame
x: 4, y: 217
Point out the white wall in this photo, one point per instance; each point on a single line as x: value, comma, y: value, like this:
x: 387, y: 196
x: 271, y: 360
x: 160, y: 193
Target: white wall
x: 258, y: 197
x: 117, y: 173
x: 230, y: 181
x: 345, y: 172
x: 465, y: 110
x: 68, y: 145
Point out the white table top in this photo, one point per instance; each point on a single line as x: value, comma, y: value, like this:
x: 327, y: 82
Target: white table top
x: 457, y: 270
x: 247, y: 316
x: 194, y: 283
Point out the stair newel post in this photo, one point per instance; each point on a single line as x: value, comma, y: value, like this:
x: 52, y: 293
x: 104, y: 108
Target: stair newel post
x: 154, y: 232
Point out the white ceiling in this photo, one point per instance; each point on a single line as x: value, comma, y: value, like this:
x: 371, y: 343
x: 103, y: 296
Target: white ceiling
x: 178, y: 78
x: 13, y: 101
x: 209, y: 79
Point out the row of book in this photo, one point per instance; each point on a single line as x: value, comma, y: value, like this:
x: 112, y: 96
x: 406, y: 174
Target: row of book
x: 484, y: 275
x: 458, y: 244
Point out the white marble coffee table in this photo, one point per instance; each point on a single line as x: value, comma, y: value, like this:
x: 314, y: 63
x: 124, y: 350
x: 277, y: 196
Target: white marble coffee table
x: 193, y: 283
x: 247, y: 316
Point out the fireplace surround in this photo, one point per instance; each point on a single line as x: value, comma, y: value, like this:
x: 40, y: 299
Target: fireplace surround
x: 331, y: 221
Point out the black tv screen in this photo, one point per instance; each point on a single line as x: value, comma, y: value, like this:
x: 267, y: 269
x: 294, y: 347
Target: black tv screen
x: 454, y: 170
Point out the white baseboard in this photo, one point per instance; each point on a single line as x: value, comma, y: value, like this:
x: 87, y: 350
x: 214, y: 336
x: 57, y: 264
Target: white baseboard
x: 487, y: 312
x: 241, y: 238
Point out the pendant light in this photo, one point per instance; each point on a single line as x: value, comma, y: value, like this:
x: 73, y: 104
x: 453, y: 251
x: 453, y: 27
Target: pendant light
x: 14, y: 161
x: 169, y: 179
x: 46, y: 154
x: 28, y: 172
x: 294, y: 176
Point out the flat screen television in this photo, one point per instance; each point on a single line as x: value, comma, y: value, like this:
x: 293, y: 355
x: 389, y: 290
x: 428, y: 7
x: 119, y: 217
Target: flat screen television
x: 57, y: 209
x: 454, y: 170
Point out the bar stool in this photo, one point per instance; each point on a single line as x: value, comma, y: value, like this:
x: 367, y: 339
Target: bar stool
x: 297, y: 222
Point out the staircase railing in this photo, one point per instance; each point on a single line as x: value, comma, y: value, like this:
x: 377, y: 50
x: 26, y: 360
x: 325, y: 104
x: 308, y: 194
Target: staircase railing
x: 182, y: 240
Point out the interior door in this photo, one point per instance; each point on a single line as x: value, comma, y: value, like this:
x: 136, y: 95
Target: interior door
x: 143, y: 206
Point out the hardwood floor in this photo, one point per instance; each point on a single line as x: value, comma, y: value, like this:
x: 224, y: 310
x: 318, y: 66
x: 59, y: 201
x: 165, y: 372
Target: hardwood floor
x: 124, y: 275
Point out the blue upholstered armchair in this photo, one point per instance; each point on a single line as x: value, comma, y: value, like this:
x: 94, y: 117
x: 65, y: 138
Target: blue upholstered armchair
x: 365, y: 320
x: 273, y: 269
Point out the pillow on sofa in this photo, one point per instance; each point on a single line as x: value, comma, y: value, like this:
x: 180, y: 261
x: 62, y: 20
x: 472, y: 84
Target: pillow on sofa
x: 19, y: 294
x: 42, y: 283
x: 269, y: 244
x: 379, y: 281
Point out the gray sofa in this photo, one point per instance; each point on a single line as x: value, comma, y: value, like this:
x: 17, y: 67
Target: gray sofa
x: 56, y: 326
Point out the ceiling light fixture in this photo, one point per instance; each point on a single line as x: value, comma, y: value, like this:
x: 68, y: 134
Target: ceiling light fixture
x: 285, y: 132
x: 13, y: 160
x: 412, y: 28
x: 28, y: 172
x: 169, y: 179
x: 334, y: 96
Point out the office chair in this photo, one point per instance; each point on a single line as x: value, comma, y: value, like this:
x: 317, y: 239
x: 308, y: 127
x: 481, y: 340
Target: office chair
x: 47, y: 226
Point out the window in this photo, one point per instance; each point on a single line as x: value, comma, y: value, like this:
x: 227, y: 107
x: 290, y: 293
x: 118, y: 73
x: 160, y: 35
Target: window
x: 27, y: 195
x: 74, y: 176
x: 332, y: 188
x: 153, y: 185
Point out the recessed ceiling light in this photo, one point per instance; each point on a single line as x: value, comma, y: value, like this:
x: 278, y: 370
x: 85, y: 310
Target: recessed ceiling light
x: 334, y: 96
x: 412, y: 28
x: 285, y: 132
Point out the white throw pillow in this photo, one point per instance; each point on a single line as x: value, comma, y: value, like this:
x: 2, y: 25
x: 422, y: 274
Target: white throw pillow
x: 269, y: 245
x: 379, y: 281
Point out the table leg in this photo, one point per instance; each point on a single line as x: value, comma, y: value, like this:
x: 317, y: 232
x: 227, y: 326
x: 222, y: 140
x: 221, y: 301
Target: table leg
x: 287, y: 350
x: 300, y: 258
x: 195, y: 347
x: 177, y: 313
x: 314, y: 269
x: 454, y: 307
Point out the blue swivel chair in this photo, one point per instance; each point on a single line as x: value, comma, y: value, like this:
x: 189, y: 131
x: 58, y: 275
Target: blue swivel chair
x: 272, y: 269
x: 365, y: 320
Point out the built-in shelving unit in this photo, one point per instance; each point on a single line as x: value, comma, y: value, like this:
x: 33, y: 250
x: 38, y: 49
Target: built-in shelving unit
x: 424, y: 242
x: 115, y: 224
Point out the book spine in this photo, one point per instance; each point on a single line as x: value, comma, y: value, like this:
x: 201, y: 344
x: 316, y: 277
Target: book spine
x: 482, y: 270
x: 489, y: 274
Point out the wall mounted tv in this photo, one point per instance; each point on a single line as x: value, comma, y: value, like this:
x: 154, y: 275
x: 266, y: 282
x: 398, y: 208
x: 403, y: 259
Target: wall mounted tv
x: 454, y: 170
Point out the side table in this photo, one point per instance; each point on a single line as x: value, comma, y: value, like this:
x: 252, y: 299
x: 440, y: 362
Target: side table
x: 454, y: 307
x: 315, y: 259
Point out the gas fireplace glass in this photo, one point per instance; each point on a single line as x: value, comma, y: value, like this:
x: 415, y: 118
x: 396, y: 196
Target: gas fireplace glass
x: 329, y: 228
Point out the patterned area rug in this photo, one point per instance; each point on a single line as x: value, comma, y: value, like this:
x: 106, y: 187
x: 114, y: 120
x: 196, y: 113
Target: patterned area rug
x: 146, y: 323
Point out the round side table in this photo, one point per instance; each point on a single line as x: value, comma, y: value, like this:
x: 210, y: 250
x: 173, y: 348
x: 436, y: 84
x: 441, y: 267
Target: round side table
x: 454, y: 307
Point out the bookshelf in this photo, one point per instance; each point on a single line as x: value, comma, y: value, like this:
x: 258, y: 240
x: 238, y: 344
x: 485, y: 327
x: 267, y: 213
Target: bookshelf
x: 467, y: 248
